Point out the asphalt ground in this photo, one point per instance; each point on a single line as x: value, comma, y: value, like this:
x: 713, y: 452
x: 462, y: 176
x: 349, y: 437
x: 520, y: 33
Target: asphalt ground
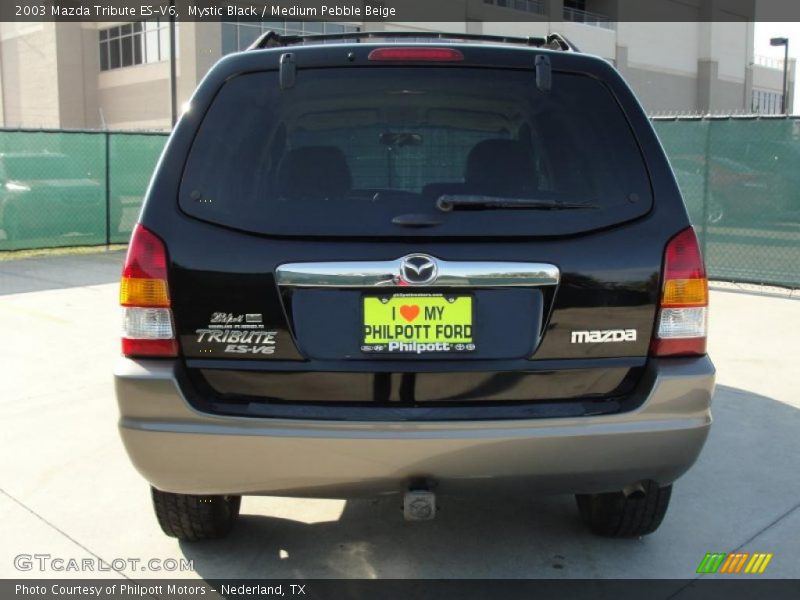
x: 69, y: 491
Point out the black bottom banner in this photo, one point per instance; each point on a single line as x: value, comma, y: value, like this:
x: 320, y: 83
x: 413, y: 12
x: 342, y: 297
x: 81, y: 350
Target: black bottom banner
x: 391, y: 589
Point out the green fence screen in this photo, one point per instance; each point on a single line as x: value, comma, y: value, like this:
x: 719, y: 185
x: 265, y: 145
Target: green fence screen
x: 72, y: 188
x: 131, y: 160
x: 740, y: 178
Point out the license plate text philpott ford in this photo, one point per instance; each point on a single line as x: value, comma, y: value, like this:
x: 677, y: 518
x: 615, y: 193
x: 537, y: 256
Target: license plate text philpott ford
x: 417, y: 323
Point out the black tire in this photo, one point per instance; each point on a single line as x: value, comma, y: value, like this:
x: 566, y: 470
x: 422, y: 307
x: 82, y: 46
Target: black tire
x: 193, y: 518
x: 615, y: 515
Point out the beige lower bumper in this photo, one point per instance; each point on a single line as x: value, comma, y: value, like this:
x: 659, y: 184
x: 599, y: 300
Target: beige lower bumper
x: 179, y: 449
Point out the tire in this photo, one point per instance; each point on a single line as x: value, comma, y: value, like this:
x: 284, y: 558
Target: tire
x: 615, y: 515
x: 194, y: 518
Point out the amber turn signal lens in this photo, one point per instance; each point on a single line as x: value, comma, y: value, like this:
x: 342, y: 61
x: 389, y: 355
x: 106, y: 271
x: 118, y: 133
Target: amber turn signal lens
x: 685, y: 292
x: 143, y: 292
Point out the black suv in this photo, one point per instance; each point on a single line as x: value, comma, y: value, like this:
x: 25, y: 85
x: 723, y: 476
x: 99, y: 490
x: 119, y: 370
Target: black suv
x: 374, y: 267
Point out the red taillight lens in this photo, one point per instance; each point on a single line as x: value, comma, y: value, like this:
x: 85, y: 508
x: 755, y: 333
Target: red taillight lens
x: 685, y: 280
x: 681, y: 327
x: 417, y: 54
x: 147, y: 256
x: 148, y: 328
x: 144, y: 276
x: 152, y: 348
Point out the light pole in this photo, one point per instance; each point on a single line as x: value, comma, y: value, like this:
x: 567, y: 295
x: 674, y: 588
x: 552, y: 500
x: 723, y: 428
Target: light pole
x: 782, y: 41
x: 173, y: 67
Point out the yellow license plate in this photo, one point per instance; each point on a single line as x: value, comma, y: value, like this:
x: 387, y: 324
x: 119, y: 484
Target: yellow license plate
x: 417, y: 323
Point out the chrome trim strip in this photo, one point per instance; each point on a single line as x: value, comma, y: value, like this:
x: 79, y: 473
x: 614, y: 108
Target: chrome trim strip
x: 367, y: 274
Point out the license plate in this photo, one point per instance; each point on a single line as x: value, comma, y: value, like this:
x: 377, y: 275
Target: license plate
x: 417, y: 323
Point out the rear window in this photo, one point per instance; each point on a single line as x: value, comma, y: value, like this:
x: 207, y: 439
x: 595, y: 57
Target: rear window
x: 361, y: 151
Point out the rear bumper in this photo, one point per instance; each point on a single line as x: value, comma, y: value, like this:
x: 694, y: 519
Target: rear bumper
x: 179, y: 449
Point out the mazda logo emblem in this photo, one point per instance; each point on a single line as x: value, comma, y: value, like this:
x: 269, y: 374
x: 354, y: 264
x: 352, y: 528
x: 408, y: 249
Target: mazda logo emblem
x: 418, y: 269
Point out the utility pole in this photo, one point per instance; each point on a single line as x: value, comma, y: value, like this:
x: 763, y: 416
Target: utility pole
x: 782, y: 41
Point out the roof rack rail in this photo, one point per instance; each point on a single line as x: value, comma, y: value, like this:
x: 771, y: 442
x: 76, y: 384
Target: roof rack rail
x: 271, y: 39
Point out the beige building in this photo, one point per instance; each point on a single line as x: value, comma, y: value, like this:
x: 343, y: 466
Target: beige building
x: 117, y: 75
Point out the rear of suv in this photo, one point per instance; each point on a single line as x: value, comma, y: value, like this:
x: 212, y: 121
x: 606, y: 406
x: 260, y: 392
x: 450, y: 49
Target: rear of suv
x: 430, y: 268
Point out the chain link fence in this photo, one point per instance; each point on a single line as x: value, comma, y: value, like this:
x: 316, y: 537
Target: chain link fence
x: 740, y: 178
x: 72, y: 188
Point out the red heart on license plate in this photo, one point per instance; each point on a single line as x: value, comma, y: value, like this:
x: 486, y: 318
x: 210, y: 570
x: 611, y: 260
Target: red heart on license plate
x: 409, y: 312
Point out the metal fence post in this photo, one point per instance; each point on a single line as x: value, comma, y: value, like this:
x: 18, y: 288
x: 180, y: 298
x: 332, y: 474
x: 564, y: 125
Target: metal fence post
x: 108, y: 189
x: 706, y: 172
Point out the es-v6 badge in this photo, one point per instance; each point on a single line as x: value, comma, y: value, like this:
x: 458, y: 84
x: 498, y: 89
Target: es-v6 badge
x: 236, y: 333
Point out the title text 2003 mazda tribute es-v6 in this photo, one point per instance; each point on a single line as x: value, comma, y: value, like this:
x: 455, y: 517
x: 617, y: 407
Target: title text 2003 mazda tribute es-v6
x: 425, y: 269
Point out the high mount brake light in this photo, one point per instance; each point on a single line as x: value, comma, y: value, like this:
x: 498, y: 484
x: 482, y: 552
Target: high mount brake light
x: 416, y: 54
x: 147, y: 328
x: 681, y: 328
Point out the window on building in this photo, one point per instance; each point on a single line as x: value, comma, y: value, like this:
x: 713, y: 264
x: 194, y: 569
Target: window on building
x: 575, y: 11
x: 238, y: 35
x: 533, y: 6
x: 134, y: 44
x: 766, y: 103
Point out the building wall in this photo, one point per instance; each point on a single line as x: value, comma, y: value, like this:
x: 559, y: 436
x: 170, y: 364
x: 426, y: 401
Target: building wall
x: 200, y: 48
x: 76, y: 65
x: 28, y: 66
x: 50, y: 74
x: 540, y: 28
x: 661, y: 92
x: 671, y: 48
x: 142, y: 104
x: 589, y: 39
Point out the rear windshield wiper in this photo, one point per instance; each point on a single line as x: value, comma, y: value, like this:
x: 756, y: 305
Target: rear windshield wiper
x: 448, y: 202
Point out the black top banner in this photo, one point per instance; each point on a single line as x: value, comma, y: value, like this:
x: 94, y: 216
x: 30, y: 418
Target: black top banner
x: 377, y: 11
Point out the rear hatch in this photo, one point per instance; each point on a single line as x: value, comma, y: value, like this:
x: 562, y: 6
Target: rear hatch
x: 414, y: 235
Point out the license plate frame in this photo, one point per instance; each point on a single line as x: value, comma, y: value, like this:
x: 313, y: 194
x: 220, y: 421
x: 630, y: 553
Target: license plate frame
x: 434, y: 341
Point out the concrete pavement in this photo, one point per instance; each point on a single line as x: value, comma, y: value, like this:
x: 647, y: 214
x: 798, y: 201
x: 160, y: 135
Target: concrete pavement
x: 68, y: 489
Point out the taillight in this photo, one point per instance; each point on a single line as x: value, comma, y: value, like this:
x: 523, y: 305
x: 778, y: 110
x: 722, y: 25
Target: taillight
x: 147, y: 324
x: 417, y: 54
x: 681, y: 328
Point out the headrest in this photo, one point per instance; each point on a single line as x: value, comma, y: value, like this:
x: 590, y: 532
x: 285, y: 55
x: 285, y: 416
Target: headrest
x: 313, y: 172
x: 503, y: 168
